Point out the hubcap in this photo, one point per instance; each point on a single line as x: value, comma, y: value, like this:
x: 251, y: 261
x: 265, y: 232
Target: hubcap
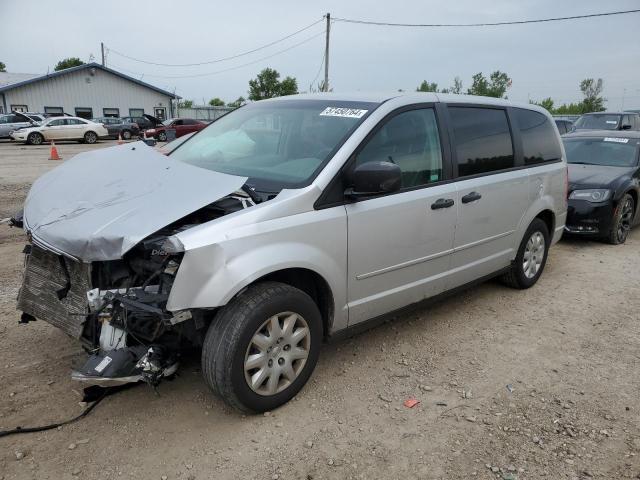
x: 277, y: 353
x: 533, y: 255
x: 625, y: 220
x: 36, y: 139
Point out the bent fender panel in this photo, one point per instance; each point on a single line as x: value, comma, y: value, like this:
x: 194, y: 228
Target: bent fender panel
x: 210, y: 276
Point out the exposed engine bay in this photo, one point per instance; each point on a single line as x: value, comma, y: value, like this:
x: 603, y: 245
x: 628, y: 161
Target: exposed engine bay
x: 117, y: 308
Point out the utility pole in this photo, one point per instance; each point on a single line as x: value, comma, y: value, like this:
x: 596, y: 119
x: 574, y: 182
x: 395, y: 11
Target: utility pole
x: 102, y: 50
x: 326, y: 54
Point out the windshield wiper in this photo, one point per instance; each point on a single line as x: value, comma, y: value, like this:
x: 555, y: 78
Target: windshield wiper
x: 248, y: 189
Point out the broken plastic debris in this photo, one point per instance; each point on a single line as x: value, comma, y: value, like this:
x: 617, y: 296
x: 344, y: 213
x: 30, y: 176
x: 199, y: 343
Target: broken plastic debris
x: 411, y: 402
x: 441, y: 404
x: 510, y: 388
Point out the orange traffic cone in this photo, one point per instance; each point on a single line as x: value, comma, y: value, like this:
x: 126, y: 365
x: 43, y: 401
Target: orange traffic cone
x: 53, y: 155
x: 120, y: 142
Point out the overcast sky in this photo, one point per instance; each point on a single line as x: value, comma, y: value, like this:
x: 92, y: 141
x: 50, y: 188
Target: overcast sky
x: 543, y: 60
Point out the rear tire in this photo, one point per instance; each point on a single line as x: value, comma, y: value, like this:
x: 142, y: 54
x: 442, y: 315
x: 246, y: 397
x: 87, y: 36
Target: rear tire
x: 622, y: 220
x: 35, y: 138
x: 162, y: 136
x: 531, y: 257
x: 262, y: 347
x: 90, y: 138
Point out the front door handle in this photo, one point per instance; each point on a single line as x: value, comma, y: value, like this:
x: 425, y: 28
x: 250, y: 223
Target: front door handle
x: 471, y: 197
x: 442, y: 203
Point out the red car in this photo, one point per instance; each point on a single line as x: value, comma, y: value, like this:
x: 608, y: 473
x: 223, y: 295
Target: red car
x: 182, y: 126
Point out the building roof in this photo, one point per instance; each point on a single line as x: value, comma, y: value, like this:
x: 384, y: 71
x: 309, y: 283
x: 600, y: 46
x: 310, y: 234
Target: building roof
x: 9, y: 81
x: 7, y: 78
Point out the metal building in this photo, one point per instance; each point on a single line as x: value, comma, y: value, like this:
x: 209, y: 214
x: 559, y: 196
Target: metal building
x: 87, y: 91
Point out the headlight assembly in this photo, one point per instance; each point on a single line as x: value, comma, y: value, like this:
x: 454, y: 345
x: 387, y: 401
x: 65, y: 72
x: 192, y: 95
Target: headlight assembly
x: 594, y: 195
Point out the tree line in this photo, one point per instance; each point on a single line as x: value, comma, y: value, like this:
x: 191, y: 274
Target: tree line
x: 268, y: 84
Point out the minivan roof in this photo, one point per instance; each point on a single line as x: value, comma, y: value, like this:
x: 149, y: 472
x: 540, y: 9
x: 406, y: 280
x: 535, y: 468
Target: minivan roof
x: 408, y: 98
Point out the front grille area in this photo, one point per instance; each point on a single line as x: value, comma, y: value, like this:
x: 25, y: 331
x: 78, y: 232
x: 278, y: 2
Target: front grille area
x: 43, y: 277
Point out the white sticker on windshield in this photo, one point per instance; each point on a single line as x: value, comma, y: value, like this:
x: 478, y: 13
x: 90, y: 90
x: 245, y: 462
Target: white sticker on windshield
x: 343, y: 112
x: 617, y: 140
x: 612, y: 122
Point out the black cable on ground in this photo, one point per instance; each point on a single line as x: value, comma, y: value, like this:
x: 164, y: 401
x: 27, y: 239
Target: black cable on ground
x: 94, y: 394
x: 87, y: 411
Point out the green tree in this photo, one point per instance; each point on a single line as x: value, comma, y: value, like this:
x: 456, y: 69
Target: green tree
x: 3, y: 67
x: 497, y: 85
x: 457, y: 86
x: 216, y: 102
x: 546, y: 103
x: 569, y: 109
x: 593, y: 100
x: 237, y: 103
x: 427, y: 87
x: 185, y: 104
x: 268, y: 85
x: 68, y: 63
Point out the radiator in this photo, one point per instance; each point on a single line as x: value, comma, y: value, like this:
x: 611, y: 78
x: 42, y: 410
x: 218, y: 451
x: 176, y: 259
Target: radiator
x: 43, y: 277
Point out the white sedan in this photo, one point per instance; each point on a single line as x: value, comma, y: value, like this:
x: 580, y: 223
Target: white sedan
x: 61, y: 128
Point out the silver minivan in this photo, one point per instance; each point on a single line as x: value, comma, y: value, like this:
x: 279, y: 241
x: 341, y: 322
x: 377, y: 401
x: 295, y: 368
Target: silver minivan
x: 283, y: 223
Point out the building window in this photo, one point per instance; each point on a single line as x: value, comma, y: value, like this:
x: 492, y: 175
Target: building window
x: 136, y: 112
x: 53, y: 111
x: 111, y: 112
x: 160, y: 113
x: 84, y: 112
x: 19, y: 108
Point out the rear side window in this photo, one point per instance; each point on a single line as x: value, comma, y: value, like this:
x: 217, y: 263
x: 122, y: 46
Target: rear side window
x: 539, y: 143
x: 411, y: 141
x: 482, y: 140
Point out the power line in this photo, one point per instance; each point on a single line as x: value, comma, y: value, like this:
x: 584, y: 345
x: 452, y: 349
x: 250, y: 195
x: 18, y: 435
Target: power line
x: 218, y: 60
x: 226, y: 69
x: 517, y: 22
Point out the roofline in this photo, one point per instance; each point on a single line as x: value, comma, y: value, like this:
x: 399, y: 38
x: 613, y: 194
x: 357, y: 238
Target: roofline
x: 83, y: 67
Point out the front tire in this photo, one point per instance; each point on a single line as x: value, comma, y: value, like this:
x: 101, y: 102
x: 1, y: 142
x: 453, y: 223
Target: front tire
x: 35, y: 138
x: 531, y: 257
x: 90, y: 138
x: 262, y: 347
x: 126, y: 135
x: 622, y: 220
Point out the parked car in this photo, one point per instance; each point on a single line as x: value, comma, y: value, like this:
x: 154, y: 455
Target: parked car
x: 608, y: 121
x: 117, y: 127
x: 604, y: 183
x: 16, y: 120
x: 182, y: 126
x: 61, y: 128
x: 144, y: 122
x: 283, y: 223
x: 564, y: 126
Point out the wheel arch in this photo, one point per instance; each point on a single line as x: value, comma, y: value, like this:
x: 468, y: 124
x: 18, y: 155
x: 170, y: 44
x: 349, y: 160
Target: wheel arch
x: 311, y: 283
x: 549, y: 218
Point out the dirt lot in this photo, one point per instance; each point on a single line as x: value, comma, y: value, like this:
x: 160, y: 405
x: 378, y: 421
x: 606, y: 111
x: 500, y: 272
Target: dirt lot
x: 542, y: 383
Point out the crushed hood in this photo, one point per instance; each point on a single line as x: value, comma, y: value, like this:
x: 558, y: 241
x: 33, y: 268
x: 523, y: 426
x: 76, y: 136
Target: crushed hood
x: 100, y: 204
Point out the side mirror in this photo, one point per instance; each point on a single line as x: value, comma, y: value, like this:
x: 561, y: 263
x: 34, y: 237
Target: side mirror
x: 626, y: 126
x: 374, y: 178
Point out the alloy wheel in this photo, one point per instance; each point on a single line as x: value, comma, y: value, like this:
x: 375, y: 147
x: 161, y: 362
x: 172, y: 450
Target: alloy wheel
x: 277, y: 353
x: 624, y: 225
x: 533, y: 254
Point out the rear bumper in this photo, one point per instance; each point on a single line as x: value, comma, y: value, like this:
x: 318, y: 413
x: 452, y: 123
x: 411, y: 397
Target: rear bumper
x: 586, y: 218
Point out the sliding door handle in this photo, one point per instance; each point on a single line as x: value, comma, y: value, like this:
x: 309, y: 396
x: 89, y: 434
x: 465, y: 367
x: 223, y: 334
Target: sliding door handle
x: 442, y: 203
x: 471, y: 197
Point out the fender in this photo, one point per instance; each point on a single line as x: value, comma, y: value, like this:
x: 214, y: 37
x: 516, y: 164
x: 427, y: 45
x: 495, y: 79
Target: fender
x: 211, y: 275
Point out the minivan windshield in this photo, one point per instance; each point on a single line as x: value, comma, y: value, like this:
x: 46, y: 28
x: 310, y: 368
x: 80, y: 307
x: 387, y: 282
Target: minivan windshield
x: 601, y: 121
x: 277, y: 144
x: 612, y: 152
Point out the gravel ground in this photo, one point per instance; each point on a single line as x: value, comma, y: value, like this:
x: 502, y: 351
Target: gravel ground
x: 512, y: 384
